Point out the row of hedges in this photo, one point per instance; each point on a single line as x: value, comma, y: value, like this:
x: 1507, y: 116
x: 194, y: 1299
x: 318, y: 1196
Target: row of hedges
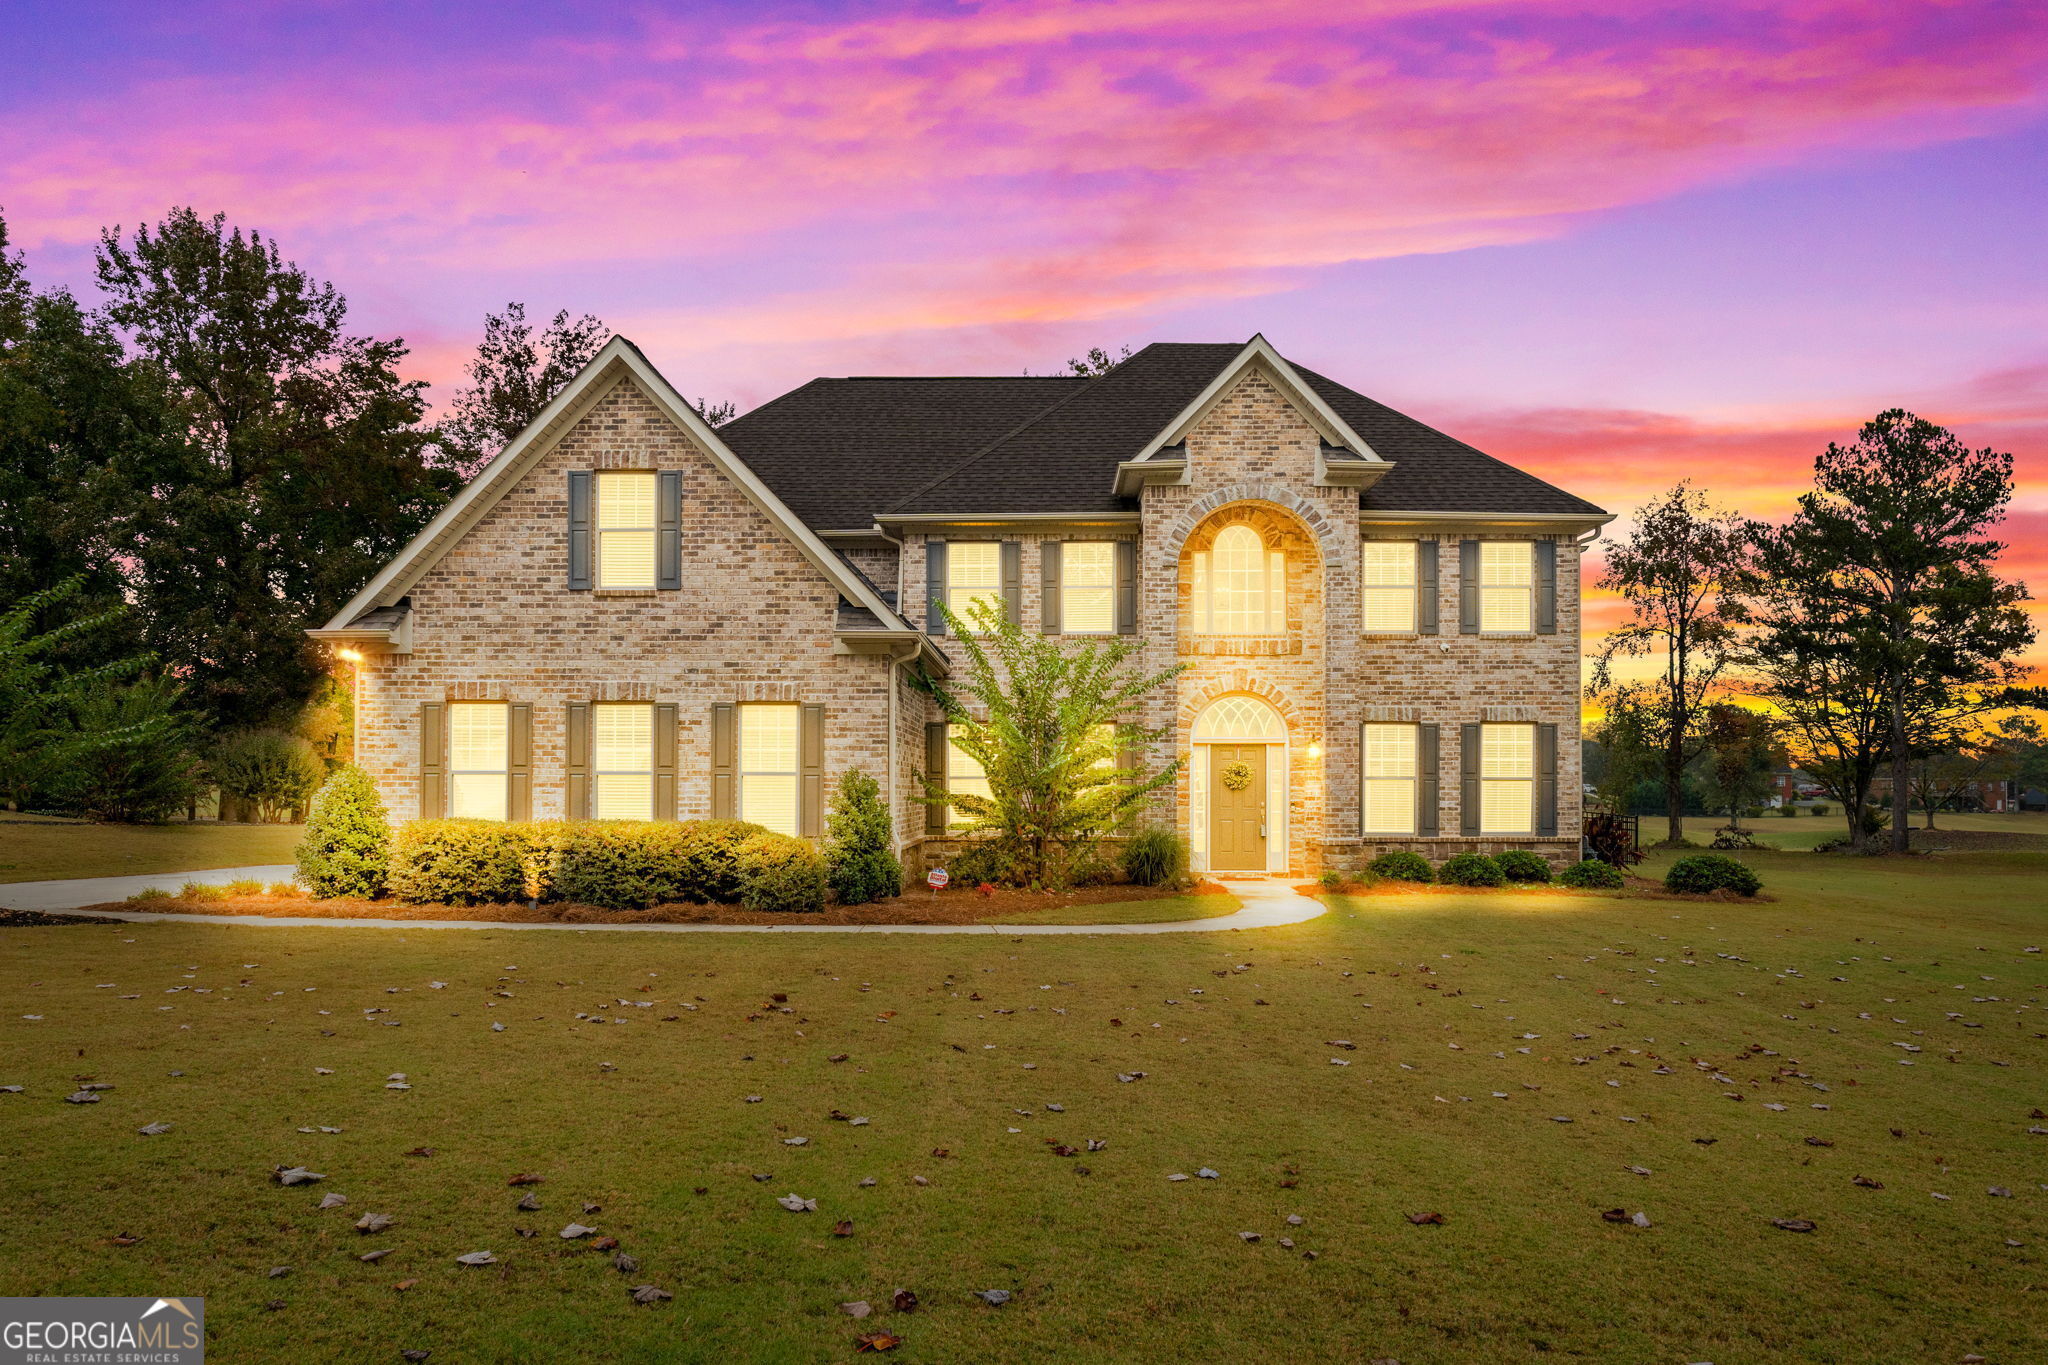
x: 617, y: 864
x: 1699, y: 874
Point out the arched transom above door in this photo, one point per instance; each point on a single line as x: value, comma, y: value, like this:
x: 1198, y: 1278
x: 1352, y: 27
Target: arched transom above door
x: 1242, y: 720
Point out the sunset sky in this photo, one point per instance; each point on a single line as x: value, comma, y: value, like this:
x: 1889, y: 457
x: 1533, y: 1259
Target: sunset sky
x: 1619, y: 243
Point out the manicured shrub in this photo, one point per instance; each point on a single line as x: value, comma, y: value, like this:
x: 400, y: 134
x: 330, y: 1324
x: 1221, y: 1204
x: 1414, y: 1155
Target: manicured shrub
x: 141, y: 765
x: 1521, y: 865
x: 1155, y: 855
x: 621, y: 864
x: 347, y: 848
x: 711, y: 868
x: 1330, y: 879
x: 859, y: 865
x: 461, y: 862
x: 1788, y: 811
x: 1470, y: 869
x: 269, y: 772
x: 782, y: 874
x: 1403, y: 865
x: 1593, y: 875
x: 1702, y: 873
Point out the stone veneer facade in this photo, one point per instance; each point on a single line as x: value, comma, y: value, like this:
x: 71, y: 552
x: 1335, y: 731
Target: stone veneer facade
x: 493, y: 619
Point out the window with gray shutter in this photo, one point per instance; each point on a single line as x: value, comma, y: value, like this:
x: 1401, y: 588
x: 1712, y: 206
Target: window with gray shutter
x: 1545, y: 575
x: 1127, y: 587
x: 1050, y: 558
x: 1546, y: 779
x: 1428, y: 788
x: 1427, y: 588
x: 1468, y: 778
x: 668, y: 513
x: 934, y: 586
x: 1468, y: 587
x: 724, y: 749
x: 581, y: 483
x: 1013, y: 581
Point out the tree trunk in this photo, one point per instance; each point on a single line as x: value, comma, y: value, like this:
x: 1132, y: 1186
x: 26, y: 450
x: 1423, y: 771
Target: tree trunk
x: 1902, y: 804
x: 1674, y: 789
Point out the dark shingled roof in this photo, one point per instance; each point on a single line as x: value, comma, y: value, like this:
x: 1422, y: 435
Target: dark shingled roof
x: 841, y: 451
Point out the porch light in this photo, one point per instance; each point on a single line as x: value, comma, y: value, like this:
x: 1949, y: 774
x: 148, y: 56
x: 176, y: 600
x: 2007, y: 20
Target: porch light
x: 354, y: 656
x: 1315, y: 750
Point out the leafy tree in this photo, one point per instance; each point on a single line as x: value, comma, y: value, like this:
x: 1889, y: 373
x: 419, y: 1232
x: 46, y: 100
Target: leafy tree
x: 293, y: 461
x: 1631, y: 757
x: 67, y: 406
x: 1097, y: 362
x: 347, y: 847
x: 1681, y: 572
x: 1949, y: 779
x: 40, y: 697
x: 145, y: 767
x: 1741, y: 746
x: 1883, y: 591
x: 716, y: 414
x: 269, y: 773
x: 514, y: 376
x: 1047, y: 720
x: 860, y: 864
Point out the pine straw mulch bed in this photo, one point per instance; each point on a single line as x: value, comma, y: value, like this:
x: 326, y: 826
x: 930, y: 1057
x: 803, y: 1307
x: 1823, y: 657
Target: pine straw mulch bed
x: 955, y: 905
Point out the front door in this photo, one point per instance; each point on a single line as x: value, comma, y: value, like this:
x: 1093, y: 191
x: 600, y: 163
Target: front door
x: 1237, y: 807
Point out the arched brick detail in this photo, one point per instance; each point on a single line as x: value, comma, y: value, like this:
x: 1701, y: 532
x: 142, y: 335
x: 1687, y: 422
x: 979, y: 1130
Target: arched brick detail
x: 1244, y: 682
x: 1313, y: 519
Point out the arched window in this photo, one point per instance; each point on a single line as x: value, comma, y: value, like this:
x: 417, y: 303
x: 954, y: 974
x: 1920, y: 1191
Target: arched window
x: 1240, y: 585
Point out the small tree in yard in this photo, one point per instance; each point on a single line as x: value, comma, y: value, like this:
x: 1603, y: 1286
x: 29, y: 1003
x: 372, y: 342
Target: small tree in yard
x: 859, y: 864
x: 1736, y: 769
x: 267, y: 771
x: 347, y: 848
x: 141, y: 765
x: 1681, y: 573
x: 1051, y: 729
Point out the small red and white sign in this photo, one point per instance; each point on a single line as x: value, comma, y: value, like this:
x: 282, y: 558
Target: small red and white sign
x: 937, y: 879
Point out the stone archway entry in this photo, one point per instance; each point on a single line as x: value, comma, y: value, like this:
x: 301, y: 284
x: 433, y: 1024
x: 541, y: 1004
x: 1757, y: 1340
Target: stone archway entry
x: 1239, y: 770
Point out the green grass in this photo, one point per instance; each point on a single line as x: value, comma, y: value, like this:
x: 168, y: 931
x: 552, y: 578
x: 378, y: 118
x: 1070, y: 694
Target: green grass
x: 1170, y: 910
x: 1120, y: 1264
x: 45, y: 850
x: 1802, y: 832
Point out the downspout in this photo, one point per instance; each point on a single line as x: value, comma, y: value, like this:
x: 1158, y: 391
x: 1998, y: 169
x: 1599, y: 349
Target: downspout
x: 896, y: 662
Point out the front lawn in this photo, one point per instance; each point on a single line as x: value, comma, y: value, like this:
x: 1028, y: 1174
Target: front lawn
x: 1402, y: 1055
x: 1802, y: 832
x: 34, y: 850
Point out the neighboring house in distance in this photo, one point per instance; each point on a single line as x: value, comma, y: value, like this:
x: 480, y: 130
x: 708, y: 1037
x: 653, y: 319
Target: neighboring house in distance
x: 629, y: 614
x: 1794, y: 784
x: 1990, y: 794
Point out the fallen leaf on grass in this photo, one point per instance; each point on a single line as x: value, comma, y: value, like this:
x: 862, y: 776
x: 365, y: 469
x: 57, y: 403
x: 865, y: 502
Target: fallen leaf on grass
x: 421, y: 1151
x: 796, y: 1203
x: 531, y: 1203
x: 624, y: 1264
x: 404, y: 1285
x: 877, y: 1341
x: 333, y: 1199
x: 843, y: 1228
x: 575, y: 1230
x: 82, y: 1097
x: 994, y: 1298
x: 647, y: 1293
x: 122, y: 1239
x: 1419, y: 1219
x: 278, y: 1272
x: 415, y: 1355
x: 1865, y: 1182
x: 524, y: 1178
x: 1793, y: 1224
x: 294, y: 1175
x: 476, y: 1258
x: 904, y: 1301
x: 374, y: 1222
x: 376, y: 1255
x: 152, y: 1129
x: 859, y: 1308
x: 1249, y: 1236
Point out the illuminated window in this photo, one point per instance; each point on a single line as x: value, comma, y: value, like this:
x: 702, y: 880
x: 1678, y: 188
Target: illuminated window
x: 1088, y: 587
x: 1507, y: 587
x: 768, y: 764
x: 1507, y: 779
x: 1387, y: 572
x: 479, y: 758
x: 1389, y: 765
x: 622, y: 760
x: 1240, y: 586
x: 625, y: 529
x: 974, y: 573
x: 964, y: 777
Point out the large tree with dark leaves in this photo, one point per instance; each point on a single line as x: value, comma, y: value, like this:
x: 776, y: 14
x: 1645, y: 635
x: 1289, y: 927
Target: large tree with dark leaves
x: 67, y: 405
x: 514, y: 375
x: 1885, y: 628
x: 293, y: 461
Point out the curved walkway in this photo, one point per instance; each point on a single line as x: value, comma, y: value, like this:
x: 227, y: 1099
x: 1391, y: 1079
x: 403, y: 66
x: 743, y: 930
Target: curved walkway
x: 1267, y: 904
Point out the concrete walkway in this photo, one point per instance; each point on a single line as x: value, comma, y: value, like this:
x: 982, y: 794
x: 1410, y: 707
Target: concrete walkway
x: 1267, y: 903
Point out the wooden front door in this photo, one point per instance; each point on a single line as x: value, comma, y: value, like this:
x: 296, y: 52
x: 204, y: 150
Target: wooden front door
x: 1237, y: 817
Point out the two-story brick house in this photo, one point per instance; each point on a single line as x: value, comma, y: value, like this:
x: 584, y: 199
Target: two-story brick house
x: 630, y: 614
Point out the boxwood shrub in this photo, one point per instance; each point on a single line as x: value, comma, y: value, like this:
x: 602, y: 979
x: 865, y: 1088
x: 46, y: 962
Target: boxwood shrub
x: 1470, y: 869
x: 1403, y: 865
x: 780, y: 873
x: 1703, y: 873
x: 1521, y: 865
x: 1593, y: 875
x: 461, y: 862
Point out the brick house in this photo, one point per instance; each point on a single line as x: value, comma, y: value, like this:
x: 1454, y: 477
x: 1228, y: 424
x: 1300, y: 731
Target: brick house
x: 629, y: 614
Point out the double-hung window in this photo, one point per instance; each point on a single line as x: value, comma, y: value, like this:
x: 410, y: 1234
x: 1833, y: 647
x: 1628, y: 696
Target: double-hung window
x: 622, y: 760
x: 1507, y: 779
x: 964, y: 777
x: 1389, y: 766
x: 626, y: 528
x: 1387, y: 571
x: 1088, y: 587
x: 479, y: 759
x: 974, y: 573
x: 1507, y: 587
x: 769, y: 734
